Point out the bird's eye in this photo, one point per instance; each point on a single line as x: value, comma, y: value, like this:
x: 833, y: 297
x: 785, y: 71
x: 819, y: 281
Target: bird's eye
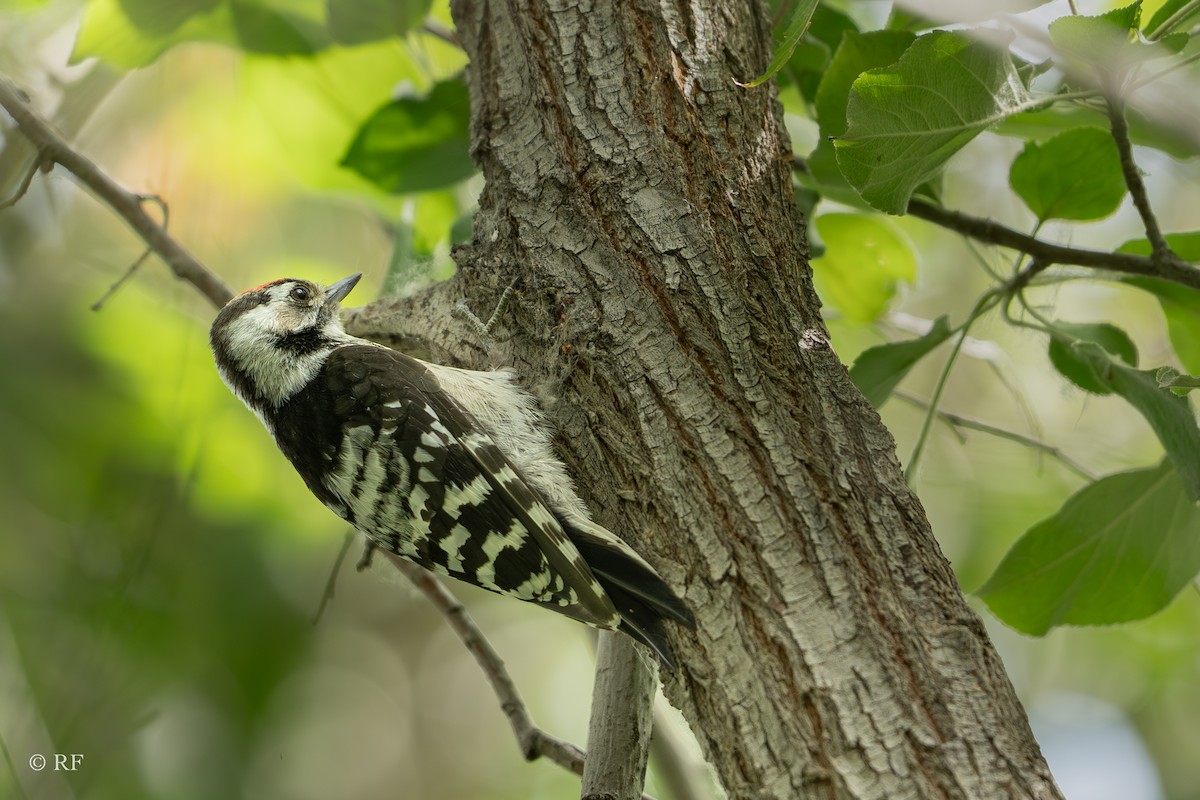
x: 301, y: 294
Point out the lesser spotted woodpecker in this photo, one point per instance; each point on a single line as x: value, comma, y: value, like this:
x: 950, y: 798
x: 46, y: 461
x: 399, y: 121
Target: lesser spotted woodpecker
x: 450, y: 468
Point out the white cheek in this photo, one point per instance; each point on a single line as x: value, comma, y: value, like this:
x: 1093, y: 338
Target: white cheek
x: 277, y: 374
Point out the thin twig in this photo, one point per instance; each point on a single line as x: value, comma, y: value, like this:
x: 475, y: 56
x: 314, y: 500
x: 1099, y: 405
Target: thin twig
x: 442, y: 32
x: 955, y: 421
x: 52, y: 148
x: 33, y: 169
x: 984, y: 304
x: 1133, y: 178
x: 12, y: 768
x: 331, y: 581
x: 1175, y: 66
x: 129, y: 273
x: 121, y: 281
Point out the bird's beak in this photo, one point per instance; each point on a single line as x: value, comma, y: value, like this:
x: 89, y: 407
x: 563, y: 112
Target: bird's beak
x: 339, y: 290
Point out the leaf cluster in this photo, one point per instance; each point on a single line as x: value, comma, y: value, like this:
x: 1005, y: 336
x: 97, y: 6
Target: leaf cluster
x: 894, y: 106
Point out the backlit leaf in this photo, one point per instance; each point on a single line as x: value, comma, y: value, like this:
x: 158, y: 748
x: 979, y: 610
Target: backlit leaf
x: 1120, y: 549
x: 1076, y: 175
x: 864, y: 260
x: 1078, y: 370
x: 906, y: 120
x: 878, y: 370
x: 416, y: 144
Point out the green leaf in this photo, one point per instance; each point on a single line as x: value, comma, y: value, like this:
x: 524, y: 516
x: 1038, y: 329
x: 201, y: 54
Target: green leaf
x: 1186, y: 245
x: 1165, y: 12
x: 829, y: 25
x: 857, y: 53
x: 133, y: 33
x: 1076, y: 175
x: 156, y: 18
x: 1120, y: 549
x: 1103, y: 39
x: 1174, y: 43
x: 906, y: 120
x: 824, y: 176
x: 413, y: 145
x: 106, y: 32
x: 1176, y: 381
x: 810, y: 60
x: 359, y: 21
x: 1079, y: 370
x: 878, y: 370
x: 1170, y: 416
x: 864, y: 260
x: 1180, y: 304
x: 263, y: 29
x: 797, y: 25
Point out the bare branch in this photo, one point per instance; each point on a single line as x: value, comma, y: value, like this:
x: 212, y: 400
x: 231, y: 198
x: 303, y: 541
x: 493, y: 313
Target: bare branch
x: 129, y: 273
x: 439, y: 31
x: 992, y: 232
x: 622, y: 716
x: 986, y: 230
x: 1133, y: 178
x: 121, y: 281
x: 53, y: 149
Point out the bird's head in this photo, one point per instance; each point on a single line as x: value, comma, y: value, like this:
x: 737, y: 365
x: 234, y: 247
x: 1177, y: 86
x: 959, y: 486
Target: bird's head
x: 271, y: 340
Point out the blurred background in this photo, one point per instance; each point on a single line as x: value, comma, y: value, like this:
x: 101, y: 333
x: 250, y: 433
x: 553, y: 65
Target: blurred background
x: 161, y: 565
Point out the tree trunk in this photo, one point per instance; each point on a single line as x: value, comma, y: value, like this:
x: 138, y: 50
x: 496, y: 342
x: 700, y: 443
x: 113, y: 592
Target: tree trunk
x: 665, y: 315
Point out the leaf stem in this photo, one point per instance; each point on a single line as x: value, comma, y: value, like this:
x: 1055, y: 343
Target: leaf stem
x: 1178, y: 65
x: 1168, y: 24
x: 985, y: 303
x: 956, y: 421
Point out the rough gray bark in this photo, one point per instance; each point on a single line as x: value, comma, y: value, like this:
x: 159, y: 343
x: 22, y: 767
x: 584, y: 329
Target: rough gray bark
x: 622, y: 715
x: 666, y: 316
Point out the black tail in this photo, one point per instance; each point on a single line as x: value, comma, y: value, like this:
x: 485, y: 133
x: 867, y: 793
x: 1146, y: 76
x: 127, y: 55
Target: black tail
x: 640, y: 596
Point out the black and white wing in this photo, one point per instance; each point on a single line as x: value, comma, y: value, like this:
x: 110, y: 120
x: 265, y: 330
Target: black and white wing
x: 403, y: 463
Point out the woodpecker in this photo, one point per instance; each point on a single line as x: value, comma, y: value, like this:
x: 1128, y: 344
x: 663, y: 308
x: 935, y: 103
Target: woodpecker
x: 450, y: 468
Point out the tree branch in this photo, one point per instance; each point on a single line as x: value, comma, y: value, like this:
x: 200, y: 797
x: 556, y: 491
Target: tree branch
x: 991, y: 232
x: 53, y: 149
x: 622, y: 717
x: 1133, y: 178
